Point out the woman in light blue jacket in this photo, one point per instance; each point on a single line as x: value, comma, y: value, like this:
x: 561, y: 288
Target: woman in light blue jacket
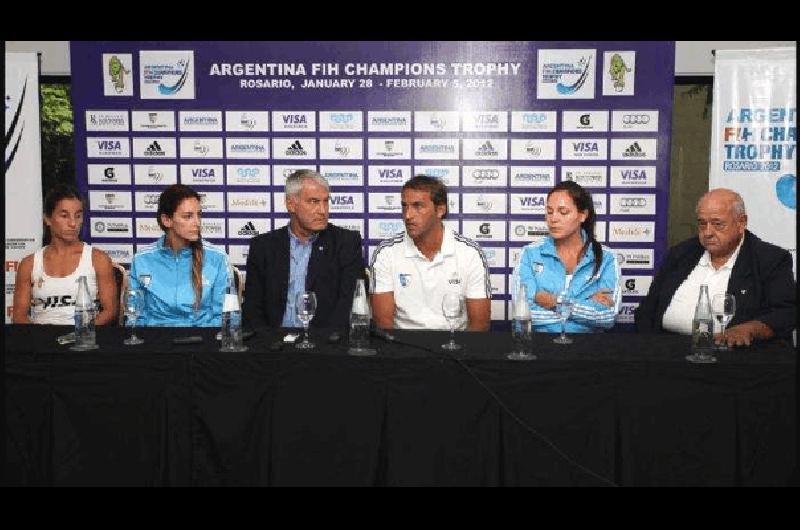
x: 183, y: 277
x: 569, y: 261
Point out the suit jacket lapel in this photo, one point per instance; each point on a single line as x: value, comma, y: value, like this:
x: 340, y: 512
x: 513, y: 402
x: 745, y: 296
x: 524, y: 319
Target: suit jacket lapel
x: 742, y: 268
x: 282, y: 258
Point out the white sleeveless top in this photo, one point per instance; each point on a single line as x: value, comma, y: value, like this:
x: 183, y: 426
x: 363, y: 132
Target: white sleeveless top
x: 53, y: 299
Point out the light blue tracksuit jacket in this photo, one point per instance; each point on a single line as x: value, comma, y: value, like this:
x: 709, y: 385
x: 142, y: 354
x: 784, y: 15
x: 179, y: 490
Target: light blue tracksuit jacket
x: 169, y: 299
x: 540, y: 268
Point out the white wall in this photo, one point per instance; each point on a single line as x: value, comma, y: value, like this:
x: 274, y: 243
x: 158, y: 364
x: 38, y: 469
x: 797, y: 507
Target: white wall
x: 55, y: 54
x: 692, y: 57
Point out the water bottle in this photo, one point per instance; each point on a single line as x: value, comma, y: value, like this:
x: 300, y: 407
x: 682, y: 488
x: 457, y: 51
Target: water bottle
x: 359, y: 322
x: 703, y: 325
x: 85, y: 314
x: 521, y: 326
x: 231, y: 320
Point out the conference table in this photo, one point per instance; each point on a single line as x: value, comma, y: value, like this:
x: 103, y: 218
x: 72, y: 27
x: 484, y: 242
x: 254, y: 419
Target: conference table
x: 610, y: 409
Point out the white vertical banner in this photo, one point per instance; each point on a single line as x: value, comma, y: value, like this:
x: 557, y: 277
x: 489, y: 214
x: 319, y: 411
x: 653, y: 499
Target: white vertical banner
x: 23, y: 165
x: 754, y: 138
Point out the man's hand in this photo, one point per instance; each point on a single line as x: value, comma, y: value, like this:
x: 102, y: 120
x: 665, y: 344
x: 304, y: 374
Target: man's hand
x: 545, y: 299
x: 603, y: 296
x: 745, y: 333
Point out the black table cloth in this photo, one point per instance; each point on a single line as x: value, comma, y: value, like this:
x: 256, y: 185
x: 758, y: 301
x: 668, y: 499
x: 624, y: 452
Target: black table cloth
x: 610, y: 409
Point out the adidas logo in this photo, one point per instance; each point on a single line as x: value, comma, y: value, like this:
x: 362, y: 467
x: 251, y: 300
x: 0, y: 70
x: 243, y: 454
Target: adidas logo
x: 249, y: 229
x: 634, y: 150
x: 154, y: 149
x: 296, y: 149
x: 486, y: 149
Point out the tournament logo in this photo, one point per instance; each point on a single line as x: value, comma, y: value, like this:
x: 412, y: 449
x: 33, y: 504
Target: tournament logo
x: 581, y: 70
x: 181, y: 70
x: 566, y: 73
x: 617, y: 70
x: 117, y: 73
x: 166, y: 74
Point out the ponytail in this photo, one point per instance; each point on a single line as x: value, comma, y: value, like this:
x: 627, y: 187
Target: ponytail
x: 197, y: 271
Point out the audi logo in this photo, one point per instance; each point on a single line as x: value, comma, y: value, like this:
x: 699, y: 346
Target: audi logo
x: 632, y: 202
x: 485, y: 174
x: 636, y: 119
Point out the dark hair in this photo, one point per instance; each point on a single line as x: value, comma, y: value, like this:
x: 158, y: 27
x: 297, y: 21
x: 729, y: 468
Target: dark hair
x: 168, y: 204
x: 56, y: 194
x: 584, y: 203
x: 436, y: 187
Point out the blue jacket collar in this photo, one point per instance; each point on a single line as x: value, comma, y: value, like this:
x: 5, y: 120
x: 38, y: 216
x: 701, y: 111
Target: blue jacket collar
x: 549, y: 248
x: 162, y: 245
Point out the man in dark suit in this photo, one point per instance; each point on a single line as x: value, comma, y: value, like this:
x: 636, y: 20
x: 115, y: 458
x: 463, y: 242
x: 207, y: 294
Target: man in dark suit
x: 729, y: 259
x: 308, y: 254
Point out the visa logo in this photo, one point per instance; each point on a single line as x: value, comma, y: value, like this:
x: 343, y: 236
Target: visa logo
x: 627, y: 310
x: 342, y: 200
x: 586, y: 147
x: 390, y: 173
x: 109, y: 145
x: 296, y: 119
x: 634, y: 174
x: 203, y: 172
x: 531, y: 201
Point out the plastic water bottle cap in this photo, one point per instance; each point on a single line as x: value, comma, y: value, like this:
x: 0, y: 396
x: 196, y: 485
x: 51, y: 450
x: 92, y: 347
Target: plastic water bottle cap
x: 230, y: 303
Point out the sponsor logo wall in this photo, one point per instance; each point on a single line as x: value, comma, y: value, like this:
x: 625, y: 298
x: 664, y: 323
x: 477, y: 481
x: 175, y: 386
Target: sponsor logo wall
x: 500, y: 124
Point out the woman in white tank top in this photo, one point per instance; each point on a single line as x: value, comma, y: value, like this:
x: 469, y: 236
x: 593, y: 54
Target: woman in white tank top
x: 46, y: 284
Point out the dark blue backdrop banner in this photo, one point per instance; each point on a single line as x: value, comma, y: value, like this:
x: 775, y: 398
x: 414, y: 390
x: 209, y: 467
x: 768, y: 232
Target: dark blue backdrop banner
x: 499, y: 122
